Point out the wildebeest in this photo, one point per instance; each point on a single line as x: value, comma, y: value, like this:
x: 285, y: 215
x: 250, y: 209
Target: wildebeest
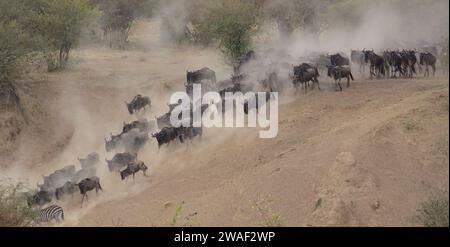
x: 339, y: 72
x: 236, y: 87
x: 137, y: 103
x: 57, y: 179
x: 85, y: 173
x: 40, y: 198
x: 120, y: 160
x: 133, y: 168
x: 163, y: 121
x: 357, y: 57
x: 189, y: 133
x: 257, y: 103
x: 133, y: 140
x: 322, y: 61
x: 339, y: 60
x: 408, y: 62
x: 200, y: 75
x: 143, y: 125
x: 377, y: 63
x: 90, y: 160
x: 89, y: 184
x: 113, y: 142
x: 67, y: 189
x: 305, y: 73
x: 428, y: 59
x: 167, y: 135
x: 271, y: 82
x: 393, y: 60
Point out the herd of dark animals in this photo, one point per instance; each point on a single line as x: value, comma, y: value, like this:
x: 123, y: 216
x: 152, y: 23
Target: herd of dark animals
x: 135, y: 135
x: 396, y: 63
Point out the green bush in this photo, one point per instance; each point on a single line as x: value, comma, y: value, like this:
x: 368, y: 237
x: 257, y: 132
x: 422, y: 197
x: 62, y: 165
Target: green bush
x: 118, y: 17
x: 59, y: 23
x: 14, y: 48
x: 434, y: 212
x: 14, y: 211
x: 229, y: 23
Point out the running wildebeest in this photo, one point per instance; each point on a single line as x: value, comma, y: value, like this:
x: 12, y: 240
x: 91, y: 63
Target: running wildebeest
x: 167, y: 135
x: 408, y: 62
x: 339, y: 72
x: 67, y: 189
x: 338, y: 60
x: 428, y: 59
x: 89, y: 184
x: 377, y: 63
x: 322, y: 61
x: 189, y: 133
x: 163, y: 121
x: 85, y: 172
x: 200, y: 75
x: 120, y: 160
x: 143, y: 125
x: 138, y: 142
x: 133, y: 168
x: 39, y: 198
x: 90, y: 160
x: 257, y: 105
x: 357, y: 57
x: 394, y: 60
x: 57, y: 179
x: 233, y: 89
x: 305, y: 73
x: 113, y: 143
x: 137, y: 103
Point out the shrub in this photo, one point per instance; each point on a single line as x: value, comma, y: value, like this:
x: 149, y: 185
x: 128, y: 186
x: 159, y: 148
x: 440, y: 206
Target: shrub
x: 14, y: 210
x: 434, y: 212
x: 59, y: 23
x: 270, y: 218
x: 229, y: 23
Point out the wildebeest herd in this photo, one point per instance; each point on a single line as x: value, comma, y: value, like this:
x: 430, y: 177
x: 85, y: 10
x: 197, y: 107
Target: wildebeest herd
x: 136, y: 134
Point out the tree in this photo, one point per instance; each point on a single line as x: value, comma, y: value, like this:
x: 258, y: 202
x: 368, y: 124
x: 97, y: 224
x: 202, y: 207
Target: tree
x: 59, y: 23
x: 16, y: 45
x: 229, y: 23
x: 118, y: 17
x: 290, y: 15
x: 14, y: 211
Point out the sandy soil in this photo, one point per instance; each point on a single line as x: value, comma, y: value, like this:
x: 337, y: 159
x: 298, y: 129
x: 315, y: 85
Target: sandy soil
x: 366, y: 156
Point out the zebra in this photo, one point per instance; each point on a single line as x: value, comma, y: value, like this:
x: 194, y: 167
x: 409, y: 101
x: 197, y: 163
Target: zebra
x: 50, y: 213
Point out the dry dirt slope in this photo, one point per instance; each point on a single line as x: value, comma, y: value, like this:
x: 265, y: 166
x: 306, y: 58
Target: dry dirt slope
x: 364, y: 157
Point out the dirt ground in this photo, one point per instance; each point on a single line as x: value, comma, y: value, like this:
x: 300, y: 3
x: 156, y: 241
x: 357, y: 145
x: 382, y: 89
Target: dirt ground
x: 366, y: 156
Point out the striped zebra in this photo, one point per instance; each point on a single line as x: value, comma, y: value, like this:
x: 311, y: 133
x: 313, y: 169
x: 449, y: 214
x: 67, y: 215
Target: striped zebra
x: 50, y: 213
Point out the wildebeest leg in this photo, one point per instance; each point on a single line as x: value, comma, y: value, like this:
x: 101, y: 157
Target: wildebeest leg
x: 348, y: 80
x: 434, y: 69
x: 82, y: 199
x: 339, y: 83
